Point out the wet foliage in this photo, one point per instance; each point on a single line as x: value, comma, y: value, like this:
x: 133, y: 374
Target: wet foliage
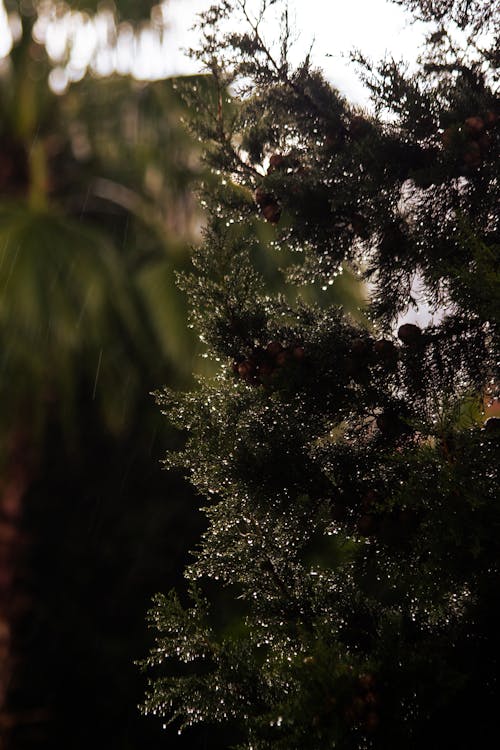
x: 345, y: 592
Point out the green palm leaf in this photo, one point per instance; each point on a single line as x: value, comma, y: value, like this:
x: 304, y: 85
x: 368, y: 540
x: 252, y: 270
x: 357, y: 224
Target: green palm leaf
x: 69, y: 316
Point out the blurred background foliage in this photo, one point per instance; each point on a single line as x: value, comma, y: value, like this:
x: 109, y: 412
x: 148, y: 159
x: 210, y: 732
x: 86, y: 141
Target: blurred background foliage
x: 97, y: 215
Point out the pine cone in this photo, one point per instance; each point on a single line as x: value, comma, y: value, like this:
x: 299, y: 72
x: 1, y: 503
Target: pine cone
x: 410, y: 334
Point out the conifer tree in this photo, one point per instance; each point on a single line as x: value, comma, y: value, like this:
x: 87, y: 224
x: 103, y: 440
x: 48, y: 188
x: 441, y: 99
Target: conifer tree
x: 345, y: 593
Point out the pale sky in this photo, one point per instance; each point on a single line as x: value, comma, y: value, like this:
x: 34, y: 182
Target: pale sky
x: 376, y: 27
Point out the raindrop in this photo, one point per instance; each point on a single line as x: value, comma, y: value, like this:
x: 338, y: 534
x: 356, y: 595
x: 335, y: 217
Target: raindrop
x: 97, y: 375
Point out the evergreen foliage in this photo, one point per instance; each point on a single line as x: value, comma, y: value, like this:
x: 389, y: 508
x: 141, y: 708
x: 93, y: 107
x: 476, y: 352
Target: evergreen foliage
x: 345, y: 593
